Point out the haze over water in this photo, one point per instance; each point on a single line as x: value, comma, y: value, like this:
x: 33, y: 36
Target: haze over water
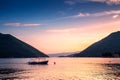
x: 64, y: 69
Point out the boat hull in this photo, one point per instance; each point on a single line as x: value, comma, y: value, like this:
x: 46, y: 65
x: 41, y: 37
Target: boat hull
x: 38, y: 63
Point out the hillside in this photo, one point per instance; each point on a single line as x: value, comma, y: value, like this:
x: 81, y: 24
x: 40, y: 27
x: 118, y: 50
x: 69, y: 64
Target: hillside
x: 10, y: 47
x: 107, y: 47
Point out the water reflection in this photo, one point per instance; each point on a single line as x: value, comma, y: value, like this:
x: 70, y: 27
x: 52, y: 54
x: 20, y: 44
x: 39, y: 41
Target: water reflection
x: 10, y: 74
x: 113, y: 71
x: 64, y: 69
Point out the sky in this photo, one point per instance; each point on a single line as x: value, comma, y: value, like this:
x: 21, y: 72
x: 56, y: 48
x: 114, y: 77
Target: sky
x: 58, y: 26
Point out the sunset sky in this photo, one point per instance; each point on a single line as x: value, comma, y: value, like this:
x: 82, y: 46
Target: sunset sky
x: 55, y: 26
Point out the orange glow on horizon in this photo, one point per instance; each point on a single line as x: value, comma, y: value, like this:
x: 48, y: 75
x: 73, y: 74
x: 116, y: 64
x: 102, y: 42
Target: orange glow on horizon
x: 72, y: 39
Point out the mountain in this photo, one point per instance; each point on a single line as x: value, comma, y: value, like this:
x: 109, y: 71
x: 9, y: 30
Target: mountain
x: 107, y: 47
x: 58, y: 54
x: 10, y: 46
x: 64, y: 54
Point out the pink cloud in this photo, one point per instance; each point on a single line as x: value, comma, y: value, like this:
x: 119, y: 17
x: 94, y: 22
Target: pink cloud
x: 104, y: 13
x: 31, y: 25
x: 12, y: 24
x: 20, y: 24
x: 110, y: 2
x: 61, y: 30
x: 82, y: 15
x: 115, y: 16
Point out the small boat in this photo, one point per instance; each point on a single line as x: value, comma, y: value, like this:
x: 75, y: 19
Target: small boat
x: 43, y: 62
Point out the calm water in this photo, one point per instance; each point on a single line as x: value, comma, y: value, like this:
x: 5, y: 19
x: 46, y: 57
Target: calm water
x: 64, y: 69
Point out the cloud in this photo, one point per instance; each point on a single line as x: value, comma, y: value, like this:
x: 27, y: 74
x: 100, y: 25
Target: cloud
x: 12, y: 24
x: 61, y: 30
x: 20, y: 24
x: 115, y: 16
x: 110, y: 2
x: 112, y: 12
x: 31, y: 25
x: 104, y: 13
x: 69, y: 2
x: 98, y: 14
x: 82, y: 15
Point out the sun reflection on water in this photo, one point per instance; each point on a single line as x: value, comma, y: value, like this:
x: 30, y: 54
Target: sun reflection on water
x: 64, y: 69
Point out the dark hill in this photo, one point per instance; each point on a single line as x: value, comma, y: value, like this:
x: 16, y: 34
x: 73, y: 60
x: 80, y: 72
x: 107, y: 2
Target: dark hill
x: 107, y: 47
x: 10, y: 46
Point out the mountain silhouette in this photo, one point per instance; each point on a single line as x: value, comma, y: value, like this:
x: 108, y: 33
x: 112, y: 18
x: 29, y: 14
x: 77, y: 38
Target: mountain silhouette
x: 108, y: 47
x: 11, y: 47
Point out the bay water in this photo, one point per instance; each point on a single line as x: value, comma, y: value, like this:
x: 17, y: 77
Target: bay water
x: 64, y: 69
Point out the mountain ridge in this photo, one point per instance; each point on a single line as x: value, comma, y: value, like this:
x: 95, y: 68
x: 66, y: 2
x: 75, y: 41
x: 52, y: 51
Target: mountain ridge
x: 10, y: 46
x: 109, y: 44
